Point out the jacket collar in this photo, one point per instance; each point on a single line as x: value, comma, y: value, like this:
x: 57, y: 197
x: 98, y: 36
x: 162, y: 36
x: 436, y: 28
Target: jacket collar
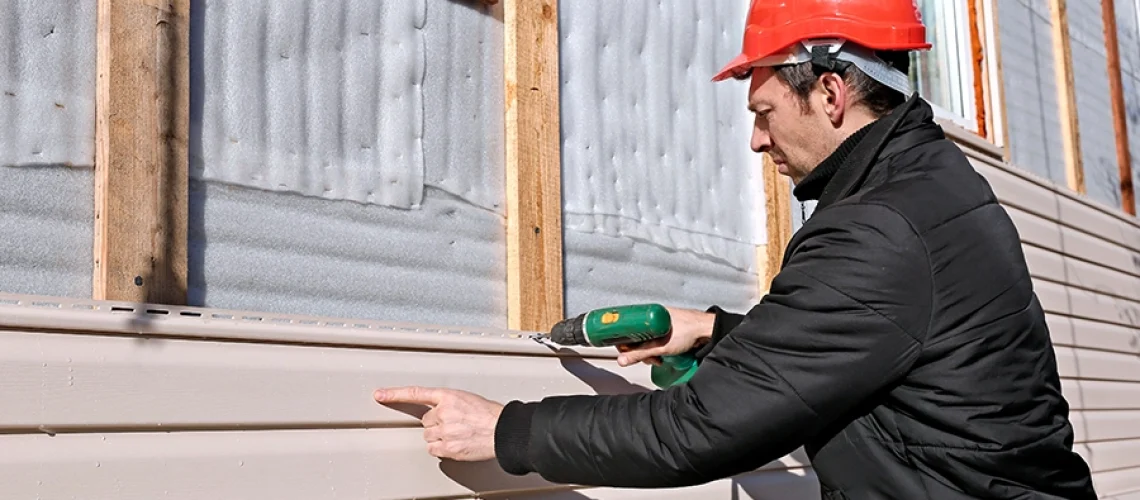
x: 845, y: 170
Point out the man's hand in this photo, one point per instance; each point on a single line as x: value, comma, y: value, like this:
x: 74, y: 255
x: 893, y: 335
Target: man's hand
x: 460, y: 425
x: 690, y: 328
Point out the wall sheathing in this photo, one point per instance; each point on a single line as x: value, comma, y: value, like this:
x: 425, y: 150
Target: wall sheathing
x: 1031, y: 108
x: 660, y: 188
x: 346, y: 159
x: 1094, y: 108
x: 47, y: 146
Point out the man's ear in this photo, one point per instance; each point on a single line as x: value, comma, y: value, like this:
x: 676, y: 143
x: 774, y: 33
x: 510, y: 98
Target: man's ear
x: 834, y: 96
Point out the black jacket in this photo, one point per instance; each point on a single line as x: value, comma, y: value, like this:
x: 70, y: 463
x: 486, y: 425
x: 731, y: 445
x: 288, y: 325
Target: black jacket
x: 901, y: 345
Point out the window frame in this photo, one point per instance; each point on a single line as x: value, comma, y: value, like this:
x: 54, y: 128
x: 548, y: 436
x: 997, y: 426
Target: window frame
x: 953, y: 19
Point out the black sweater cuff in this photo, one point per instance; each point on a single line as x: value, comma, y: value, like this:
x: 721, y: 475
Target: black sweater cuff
x: 512, y: 438
x: 725, y: 322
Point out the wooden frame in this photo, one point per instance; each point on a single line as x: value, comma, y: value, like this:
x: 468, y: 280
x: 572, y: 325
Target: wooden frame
x: 778, y: 211
x: 1067, y: 95
x: 534, y: 169
x: 141, y: 172
x: 1119, y: 114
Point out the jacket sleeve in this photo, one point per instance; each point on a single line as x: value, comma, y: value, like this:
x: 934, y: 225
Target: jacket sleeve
x: 845, y: 319
x: 725, y: 322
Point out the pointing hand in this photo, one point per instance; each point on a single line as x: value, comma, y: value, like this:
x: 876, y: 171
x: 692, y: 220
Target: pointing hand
x: 460, y: 425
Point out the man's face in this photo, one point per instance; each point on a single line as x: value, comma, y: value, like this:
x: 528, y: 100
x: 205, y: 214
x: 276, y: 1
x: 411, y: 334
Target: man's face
x: 797, y: 139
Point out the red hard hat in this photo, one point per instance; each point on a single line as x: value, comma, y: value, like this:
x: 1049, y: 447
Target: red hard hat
x: 774, y: 25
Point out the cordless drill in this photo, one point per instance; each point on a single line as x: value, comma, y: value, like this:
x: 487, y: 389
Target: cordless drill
x: 626, y: 325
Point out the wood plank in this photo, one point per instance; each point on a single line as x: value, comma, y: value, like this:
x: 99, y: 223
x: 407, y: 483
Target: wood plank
x: 1092, y: 425
x: 778, y: 210
x: 1119, y: 114
x: 1066, y: 95
x: 533, y: 149
x: 141, y: 162
x: 978, y: 61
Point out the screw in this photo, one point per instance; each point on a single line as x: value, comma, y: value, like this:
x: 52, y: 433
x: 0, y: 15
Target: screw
x: 537, y: 230
x: 138, y: 281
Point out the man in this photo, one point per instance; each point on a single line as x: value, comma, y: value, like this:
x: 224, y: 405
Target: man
x: 901, y: 343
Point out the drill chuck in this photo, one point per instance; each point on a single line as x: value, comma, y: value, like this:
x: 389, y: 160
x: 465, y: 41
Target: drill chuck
x: 570, y: 332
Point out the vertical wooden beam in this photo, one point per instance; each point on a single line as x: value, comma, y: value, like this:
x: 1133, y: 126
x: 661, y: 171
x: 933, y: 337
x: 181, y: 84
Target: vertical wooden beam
x: 534, y: 170
x: 1067, y: 95
x: 1119, y: 116
x: 141, y: 129
x: 778, y: 209
x: 978, y: 60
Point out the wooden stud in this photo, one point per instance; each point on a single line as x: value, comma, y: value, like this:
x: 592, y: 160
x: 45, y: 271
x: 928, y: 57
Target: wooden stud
x: 978, y: 58
x: 533, y: 148
x: 141, y: 131
x: 1067, y: 96
x: 1119, y: 116
x: 778, y: 209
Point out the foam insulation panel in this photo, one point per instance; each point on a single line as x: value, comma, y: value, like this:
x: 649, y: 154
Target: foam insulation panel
x: 1030, y: 90
x: 603, y: 271
x: 296, y: 254
x: 47, y: 146
x: 661, y: 193
x: 653, y: 150
x: 46, y: 230
x: 1094, y: 108
x: 330, y: 99
x: 347, y: 159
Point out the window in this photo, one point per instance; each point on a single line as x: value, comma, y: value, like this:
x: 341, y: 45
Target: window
x: 944, y: 75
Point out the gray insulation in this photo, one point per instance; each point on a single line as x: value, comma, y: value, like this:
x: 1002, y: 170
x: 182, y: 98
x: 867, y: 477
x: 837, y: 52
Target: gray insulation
x: 47, y: 146
x: 660, y: 188
x: 347, y: 159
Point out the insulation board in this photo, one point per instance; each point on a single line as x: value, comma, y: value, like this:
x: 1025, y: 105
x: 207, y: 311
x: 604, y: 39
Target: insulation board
x: 347, y: 159
x: 47, y: 147
x: 659, y: 184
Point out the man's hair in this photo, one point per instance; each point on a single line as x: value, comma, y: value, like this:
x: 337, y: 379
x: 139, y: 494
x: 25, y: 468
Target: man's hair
x: 878, y: 98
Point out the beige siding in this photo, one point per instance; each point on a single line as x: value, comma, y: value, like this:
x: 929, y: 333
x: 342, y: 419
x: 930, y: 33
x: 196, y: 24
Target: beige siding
x: 131, y: 405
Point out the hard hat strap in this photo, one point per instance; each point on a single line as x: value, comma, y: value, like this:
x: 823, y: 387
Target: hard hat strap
x: 835, y: 55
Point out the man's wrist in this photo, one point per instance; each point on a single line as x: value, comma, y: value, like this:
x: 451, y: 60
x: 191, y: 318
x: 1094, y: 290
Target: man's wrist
x: 512, y: 438
x: 722, y: 323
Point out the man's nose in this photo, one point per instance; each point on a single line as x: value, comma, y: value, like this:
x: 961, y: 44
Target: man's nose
x: 761, y: 141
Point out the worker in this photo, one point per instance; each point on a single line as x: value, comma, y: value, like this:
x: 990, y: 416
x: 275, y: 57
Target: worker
x: 901, y: 344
